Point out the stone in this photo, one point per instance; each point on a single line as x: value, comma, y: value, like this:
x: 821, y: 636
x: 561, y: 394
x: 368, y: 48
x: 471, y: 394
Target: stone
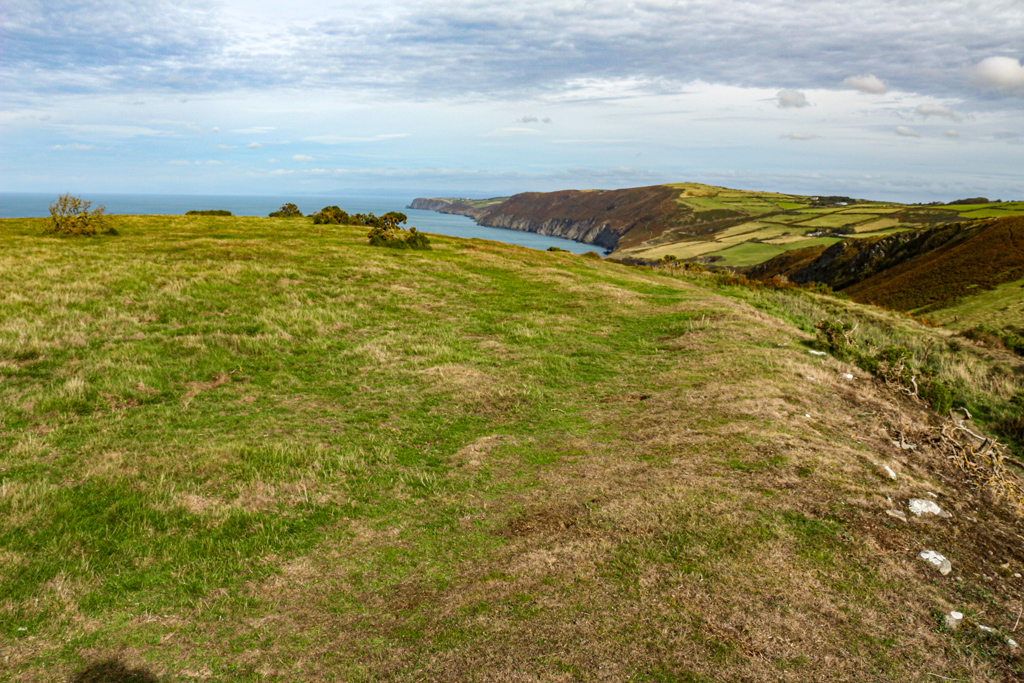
x: 937, y: 560
x: 818, y: 353
x: 920, y: 506
x: 986, y: 629
x: 898, y: 514
x: 1012, y: 643
x: 1016, y: 575
x: 847, y: 375
x: 954, y: 619
x: 888, y: 470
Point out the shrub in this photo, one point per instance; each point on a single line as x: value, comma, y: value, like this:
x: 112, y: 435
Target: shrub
x: 71, y: 215
x: 393, y: 237
x: 556, y: 249
x: 287, y: 211
x: 209, y: 212
x: 331, y: 215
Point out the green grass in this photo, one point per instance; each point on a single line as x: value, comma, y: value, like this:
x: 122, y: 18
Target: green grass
x: 751, y: 253
x: 251, y: 449
x: 1000, y: 306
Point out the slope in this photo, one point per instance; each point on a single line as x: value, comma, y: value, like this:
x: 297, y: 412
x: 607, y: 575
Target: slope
x: 243, y: 449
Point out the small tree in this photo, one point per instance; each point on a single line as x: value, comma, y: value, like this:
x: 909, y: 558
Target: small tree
x: 287, y: 211
x: 70, y: 215
x: 396, y: 238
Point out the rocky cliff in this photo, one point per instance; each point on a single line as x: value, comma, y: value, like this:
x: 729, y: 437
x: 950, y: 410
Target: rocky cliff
x: 606, y: 218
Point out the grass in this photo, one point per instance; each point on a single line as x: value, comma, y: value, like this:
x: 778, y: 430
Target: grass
x: 257, y: 449
x: 1000, y: 307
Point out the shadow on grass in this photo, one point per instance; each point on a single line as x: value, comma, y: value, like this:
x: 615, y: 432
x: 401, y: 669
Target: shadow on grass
x: 113, y: 671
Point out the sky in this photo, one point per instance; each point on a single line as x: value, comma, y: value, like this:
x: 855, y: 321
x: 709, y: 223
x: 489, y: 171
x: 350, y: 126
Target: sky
x: 883, y: 99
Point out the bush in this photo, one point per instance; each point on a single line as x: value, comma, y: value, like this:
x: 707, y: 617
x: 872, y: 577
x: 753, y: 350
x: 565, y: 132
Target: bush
x: 557, y: 249
x: 287, y: 211
x: 393, y: 237
x: 209, y: 212
x: 71, y: 215
x: 331, y: 215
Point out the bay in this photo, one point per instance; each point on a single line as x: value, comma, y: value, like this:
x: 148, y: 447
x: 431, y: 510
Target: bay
x: 29, y: 205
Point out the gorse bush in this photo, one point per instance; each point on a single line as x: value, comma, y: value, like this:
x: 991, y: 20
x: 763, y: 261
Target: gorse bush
x: 209, y: 212
x: 397, y: 238
x: 70, y: 215
x: 287, y: 211
x: 331, y: 215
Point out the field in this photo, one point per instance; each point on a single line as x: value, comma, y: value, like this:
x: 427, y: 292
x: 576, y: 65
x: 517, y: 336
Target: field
x: 253, y: 449
x: 791, y: 221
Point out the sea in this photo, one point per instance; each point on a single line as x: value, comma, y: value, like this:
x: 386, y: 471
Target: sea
x: 29, y: 205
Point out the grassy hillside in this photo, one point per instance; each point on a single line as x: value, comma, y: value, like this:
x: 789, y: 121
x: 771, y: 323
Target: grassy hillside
x: 244, y: 449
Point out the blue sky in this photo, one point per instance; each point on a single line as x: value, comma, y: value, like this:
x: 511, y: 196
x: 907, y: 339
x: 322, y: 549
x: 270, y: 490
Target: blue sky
x: 903, y: 99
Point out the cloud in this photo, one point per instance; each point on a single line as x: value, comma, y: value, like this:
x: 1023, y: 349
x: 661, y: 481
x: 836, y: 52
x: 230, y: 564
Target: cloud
x: 938, y: 110
x: 907, y: 132
x: 225, y: 147
x: 792, y: 99
x: 952, y: 133
x: 490, y: 50
x: 74, y: 147
x: 254, y: 145
x: 798, y: 136
x: 527, y: 119
x: 867, y: 83
x: 254, y: 130
x: 1002, y: 73
x: 342, y: 140
x: 215, y: 129
x: 179, y: 162
x: 302, y: 157
x: 281, y: 171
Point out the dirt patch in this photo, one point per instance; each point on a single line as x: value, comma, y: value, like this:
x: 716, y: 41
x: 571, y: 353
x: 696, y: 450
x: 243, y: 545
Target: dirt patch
x: 556, y: 518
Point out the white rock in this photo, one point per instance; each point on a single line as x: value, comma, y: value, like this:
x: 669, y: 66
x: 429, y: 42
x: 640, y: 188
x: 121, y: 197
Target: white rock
x: 847, y: 375
x: 898, y: 514
x: 919, y: 507
x: 1016, y: 575
x: 1012, y: 643
x: 809, y: 378
x: 932, y: 495
x: 986, y: 629
x: 954, y: 619
x: 818, y: 353
x: 807, y: 415
x: 936, y: 559
x: 888, y: 470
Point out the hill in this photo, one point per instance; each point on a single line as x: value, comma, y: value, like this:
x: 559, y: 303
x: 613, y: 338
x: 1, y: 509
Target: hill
x: 921, y: 271
x: 244, y: 449
x: 693, y: 221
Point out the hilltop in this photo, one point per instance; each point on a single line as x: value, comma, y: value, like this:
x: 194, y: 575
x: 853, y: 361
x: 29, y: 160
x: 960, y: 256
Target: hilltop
x: 243, y: 449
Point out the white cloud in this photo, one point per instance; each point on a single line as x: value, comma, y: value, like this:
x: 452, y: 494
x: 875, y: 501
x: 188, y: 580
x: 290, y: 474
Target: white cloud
x: 302, y: 157
x: 254, y: 130
x: 1001, y: 73
x: 798, y: 136
x: 74, y: 147
x: 867, y: 83
x: 527, y: 119
x: 281, y: 171
x: 215, y: 129
x: 225, y: 147
x: 792, y: 99
x: 179, y: 162
x: 938, y: 110
x: 907, y: 132
x: 254, y: 145
x: 952, y: 133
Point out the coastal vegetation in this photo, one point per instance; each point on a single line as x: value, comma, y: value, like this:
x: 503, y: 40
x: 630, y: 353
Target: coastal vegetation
x: 247, y: 449
x: 72, y: 216
x: 209, y: 212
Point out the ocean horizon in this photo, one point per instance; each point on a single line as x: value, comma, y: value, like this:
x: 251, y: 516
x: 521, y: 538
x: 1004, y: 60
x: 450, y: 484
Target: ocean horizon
x: 36, y: 205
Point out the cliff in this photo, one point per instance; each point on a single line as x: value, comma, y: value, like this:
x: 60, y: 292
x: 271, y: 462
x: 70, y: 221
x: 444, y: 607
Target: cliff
x: 606, y: 218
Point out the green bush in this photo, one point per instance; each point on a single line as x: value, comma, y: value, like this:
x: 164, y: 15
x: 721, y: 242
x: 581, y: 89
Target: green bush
x: 70, y: 215
x: 331, y: 215
x: 287, y: 211
x: 209, y: 212
x: 393, y: 237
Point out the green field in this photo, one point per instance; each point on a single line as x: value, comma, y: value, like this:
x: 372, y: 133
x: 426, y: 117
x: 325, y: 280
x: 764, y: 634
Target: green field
x: 253, y: 449
x: 999, y: 307
x: 797, y: 215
